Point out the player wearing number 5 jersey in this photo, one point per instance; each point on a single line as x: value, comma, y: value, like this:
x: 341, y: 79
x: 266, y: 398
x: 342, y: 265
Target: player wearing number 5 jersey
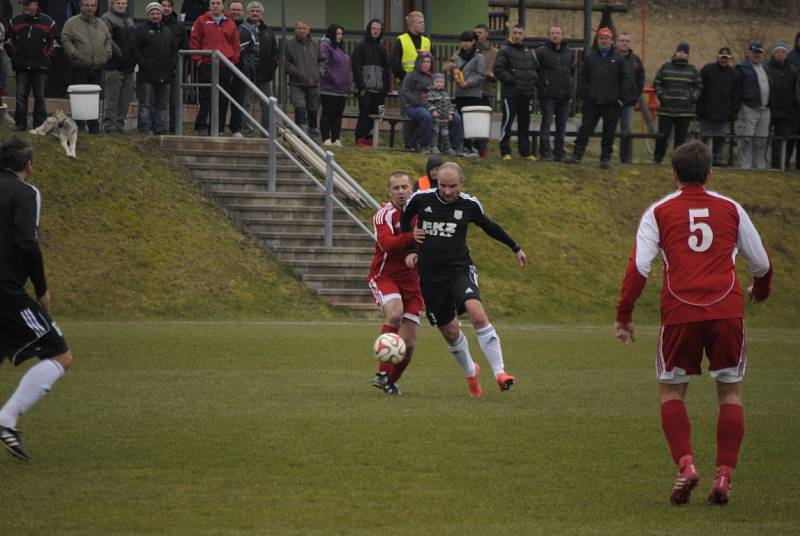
x: 698, y: 234
x: 447, y: 276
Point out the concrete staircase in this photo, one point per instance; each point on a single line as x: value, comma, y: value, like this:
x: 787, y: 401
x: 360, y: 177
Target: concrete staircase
x: 288, y: 223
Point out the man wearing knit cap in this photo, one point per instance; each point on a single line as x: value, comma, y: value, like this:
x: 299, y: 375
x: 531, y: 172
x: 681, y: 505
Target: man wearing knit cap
x: 678, y: 86
x: 752, y: 100
x: 605, y: 84
x: 715, y: 109
x: 783, y: 107
x: 154, y: 49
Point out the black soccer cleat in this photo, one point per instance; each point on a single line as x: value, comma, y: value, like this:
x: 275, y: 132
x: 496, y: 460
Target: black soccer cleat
x: 10, y: 439
x: 391, y: 389
x: 380, y: 380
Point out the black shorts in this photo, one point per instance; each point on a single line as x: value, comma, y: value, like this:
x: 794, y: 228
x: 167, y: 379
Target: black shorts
x: 27, y: 331
x: 444, y: 296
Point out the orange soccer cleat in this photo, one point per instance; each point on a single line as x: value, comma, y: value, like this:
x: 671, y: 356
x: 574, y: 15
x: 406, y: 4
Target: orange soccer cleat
x: 504, y: 381
x: 685, y: 482
x: 474, y: 384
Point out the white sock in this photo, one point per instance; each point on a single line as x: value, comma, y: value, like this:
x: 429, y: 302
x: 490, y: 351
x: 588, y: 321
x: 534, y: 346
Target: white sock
x: 32, y: 387
x: 489, y: 341
x: 460, y: 351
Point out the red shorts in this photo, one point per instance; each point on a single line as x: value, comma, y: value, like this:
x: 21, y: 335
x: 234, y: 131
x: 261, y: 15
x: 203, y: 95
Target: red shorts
x: 385, y: 290
x: 680, y: 351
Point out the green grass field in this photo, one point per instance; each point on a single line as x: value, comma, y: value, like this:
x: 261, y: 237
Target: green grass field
x: 272, y: 428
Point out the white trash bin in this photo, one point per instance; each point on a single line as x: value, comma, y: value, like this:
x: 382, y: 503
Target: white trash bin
x: 84, y: 101
x: 477, y: 122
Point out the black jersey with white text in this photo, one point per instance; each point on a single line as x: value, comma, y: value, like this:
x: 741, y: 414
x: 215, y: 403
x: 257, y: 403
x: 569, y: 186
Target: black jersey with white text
x: 20, y: 256
x: 445, y: 225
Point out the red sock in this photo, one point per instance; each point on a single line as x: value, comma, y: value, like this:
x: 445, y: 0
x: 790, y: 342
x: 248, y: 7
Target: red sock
x: 730, y: 430
x: 387, y: 368
x: 401, y: 366
x: 677, y: 428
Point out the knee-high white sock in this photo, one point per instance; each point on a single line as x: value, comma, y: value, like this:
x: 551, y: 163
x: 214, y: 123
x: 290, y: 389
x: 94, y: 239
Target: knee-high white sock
x: 460, y: 351
x: 489, y: 341
x: 32, y: 387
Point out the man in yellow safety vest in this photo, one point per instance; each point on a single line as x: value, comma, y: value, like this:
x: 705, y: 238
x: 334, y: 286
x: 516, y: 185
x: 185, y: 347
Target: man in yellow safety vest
x: 405, y: 49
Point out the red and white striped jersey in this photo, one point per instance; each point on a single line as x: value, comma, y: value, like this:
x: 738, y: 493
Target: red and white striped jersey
x: 698, y: 234
x: 391, y: 246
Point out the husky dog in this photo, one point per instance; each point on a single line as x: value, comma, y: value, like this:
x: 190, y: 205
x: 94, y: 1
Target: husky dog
x: 62, y: 127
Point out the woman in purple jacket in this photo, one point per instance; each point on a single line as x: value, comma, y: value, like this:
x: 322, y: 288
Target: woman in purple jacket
x: 334, y: 85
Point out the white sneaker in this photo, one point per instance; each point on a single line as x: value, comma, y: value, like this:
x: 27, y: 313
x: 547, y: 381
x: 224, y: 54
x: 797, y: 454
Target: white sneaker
x: 327, y: 142
x: 338, y: 143
x: 237, y: 135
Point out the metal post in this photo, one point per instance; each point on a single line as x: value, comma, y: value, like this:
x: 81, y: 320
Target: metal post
x: 328, y: 199
x: 521, y: 16
x: 587, y: 26
x: 178, y: 113
x: 273, y: 146
x: 783, y: 155
x: 214, y: 104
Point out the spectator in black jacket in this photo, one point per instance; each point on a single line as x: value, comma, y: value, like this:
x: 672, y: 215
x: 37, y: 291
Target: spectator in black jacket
x: 265, y: 68
x: 516, y: 69
x: 248, y: 63
x: 556, y: 69
x: 32, y: 38
x: 605, y: 84
x: 794, y: 55
x: 624, y: 41
x: 783, y: 106
x: 170, y: 20
x: 191, y: 9
x: 715, y: 108
x: 154, y: 47
x: 370, y: 66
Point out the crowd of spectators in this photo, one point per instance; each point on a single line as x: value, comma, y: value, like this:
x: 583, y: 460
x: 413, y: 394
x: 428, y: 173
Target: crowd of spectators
x: 750, y: 101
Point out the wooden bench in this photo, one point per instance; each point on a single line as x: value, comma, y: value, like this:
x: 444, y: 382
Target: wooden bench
x: 392, y: 119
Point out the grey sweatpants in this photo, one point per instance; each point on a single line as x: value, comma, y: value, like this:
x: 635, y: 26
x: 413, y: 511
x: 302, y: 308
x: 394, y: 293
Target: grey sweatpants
x: 118, y: 90
x: 752, y: 129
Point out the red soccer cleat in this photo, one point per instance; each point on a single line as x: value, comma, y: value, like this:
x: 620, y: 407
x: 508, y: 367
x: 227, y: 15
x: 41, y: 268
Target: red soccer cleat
x: 685, y: 482
x: 504, y: 381
x: 363, y: 143
x: 722, y: 486
x: 474, y: 384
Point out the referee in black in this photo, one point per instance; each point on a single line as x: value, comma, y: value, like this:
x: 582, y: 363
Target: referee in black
x: 447, y: 276
x: 26, y: 329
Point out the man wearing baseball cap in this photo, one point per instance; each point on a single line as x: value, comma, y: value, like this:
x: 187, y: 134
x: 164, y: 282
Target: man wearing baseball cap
x: 783, y: 107
x: 715, y: 109
x: 752, y: 101
x: 605, y: 84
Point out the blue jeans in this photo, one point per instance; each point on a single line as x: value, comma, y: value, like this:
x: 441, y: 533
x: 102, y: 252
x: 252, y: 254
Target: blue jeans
x: 559, y: 108
x: 422, y: 123
x: 25, y: 81
x: 153, y: 107
x: 625, y: 128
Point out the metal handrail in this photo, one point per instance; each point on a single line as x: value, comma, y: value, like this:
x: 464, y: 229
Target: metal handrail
x: 331, y: 166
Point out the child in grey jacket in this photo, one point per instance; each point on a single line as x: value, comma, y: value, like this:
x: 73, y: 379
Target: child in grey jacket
x: 442, y: 111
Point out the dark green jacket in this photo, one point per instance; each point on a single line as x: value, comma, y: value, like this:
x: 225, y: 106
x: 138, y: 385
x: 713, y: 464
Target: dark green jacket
x: 678, y: 86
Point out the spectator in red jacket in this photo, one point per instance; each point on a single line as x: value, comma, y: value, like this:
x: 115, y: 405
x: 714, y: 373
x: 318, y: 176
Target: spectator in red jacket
x: 213, y: 30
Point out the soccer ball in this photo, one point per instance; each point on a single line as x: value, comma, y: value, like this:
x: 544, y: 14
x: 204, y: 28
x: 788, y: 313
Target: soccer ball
x: 390, y: 348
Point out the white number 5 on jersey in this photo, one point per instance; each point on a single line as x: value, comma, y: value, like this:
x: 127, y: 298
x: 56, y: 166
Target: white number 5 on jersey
x: 706, y: 234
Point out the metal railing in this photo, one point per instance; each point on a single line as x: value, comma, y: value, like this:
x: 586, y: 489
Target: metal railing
x: 335, y: 175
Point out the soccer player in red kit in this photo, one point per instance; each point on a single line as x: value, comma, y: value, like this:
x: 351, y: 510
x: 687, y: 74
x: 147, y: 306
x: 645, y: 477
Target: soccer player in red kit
x: 395, y: 286
x: 698, y: 234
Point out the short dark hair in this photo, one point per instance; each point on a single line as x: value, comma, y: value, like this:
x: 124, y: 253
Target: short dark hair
x: 482, y: 26
x: 15, y: 153
x: 692, y: 162
x: 518, y: 26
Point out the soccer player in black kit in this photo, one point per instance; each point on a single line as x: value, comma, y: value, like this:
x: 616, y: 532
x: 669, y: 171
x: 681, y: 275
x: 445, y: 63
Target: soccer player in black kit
x: 447, y: 276
x: 26, y: 329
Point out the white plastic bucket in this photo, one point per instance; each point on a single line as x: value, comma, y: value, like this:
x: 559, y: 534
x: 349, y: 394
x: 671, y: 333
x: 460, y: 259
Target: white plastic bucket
x: 84, y: 101
x: 477, y: 122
